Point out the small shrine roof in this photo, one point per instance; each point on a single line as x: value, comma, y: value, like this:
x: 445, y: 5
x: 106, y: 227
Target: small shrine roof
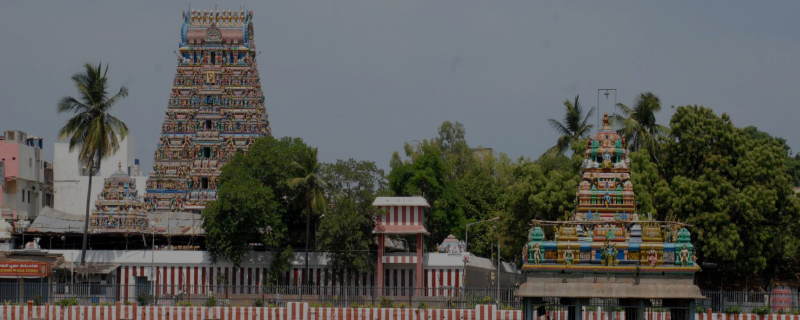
x: 610, y: 290
x: 415, y: 201
x: 398, y: 229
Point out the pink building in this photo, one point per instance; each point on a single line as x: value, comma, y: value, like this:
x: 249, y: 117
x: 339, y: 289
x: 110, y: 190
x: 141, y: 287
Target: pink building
x: 27, y: 184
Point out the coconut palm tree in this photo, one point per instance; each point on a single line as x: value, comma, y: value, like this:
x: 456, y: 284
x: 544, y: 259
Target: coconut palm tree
x: 92, y: 129
x: 638, y: 124
x: 575, y: 126
x: 308, y: 181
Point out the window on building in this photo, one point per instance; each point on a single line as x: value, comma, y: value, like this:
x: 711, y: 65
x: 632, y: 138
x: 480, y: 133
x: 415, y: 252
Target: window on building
x: 204, y: 182
x: 206, y: 152
x: 208, y: 124
x: 143, y: 286
x: 23, y: 195
x: 30, y: 162
x: 29, y: 196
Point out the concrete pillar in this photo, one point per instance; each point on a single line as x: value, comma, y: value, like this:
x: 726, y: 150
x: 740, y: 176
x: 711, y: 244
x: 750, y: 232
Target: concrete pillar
x: 420, y: 274
x: 379, y: 280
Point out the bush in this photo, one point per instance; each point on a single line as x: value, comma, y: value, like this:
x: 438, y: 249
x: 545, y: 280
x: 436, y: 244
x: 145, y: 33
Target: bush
x: 37, y: 300
x: 758, y: 310
x: 699, y: 309
x: 591, y: 308
x: 258, y: 303
x: 143, y: 299
x: 67, y: 302
x: 127, y: 303
x: 422, y: 305
x: 616, y: 309
x: 184, y: 304
x: 733, y: 310
x: 386, y: 303
x: 401, y: 306
x: 486, y: 300
x: 211, y: 302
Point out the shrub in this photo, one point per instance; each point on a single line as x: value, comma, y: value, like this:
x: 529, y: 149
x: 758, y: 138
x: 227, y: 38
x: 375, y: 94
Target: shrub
x: 486, y: 300
x: 67, y: 302
x: 401, y: 306
x: 211, y: 302
x: 386, y: 302
x: 758, y: 310
x: 184, y: 304
x: 591, y: 308
x: 143, y: 299
x: 795, y: 312
x: 699, y: 309
x: 258, y: 303
x: 616, y: 309
x: 127, y: 303
x: 733, y: 310
x: 37, y: 300
x: 422, y: 305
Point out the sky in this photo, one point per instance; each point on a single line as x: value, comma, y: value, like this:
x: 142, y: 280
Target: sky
x: 358, y: 78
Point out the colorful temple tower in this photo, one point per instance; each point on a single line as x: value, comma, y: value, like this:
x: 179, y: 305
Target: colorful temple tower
x: 119, y: 208
x: 607, y: 251
x: 216, y: 108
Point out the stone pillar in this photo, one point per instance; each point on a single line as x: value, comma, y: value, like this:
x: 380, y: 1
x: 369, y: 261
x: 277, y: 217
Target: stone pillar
x: 379, y: 280
x: 420, y: 274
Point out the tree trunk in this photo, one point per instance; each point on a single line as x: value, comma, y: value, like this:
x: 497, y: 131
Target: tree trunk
x: 86, y: 222
x: 308, y: 237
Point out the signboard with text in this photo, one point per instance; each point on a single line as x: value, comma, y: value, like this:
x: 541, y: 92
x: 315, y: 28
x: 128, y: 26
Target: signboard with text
x: 23, y: 269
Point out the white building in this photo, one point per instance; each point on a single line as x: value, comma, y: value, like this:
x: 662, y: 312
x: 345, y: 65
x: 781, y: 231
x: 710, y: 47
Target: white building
x: 71, y: 180
x: 26, y: 178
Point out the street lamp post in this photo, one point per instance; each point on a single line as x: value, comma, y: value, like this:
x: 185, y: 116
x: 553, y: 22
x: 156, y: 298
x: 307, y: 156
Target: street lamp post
x: 466, y: 240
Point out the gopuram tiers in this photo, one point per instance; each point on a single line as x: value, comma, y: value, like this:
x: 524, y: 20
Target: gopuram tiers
x: 119, y: 208
x: 606, y: 233
x: 216, y: 108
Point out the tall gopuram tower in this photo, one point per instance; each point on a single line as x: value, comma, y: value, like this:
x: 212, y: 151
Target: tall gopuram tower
x: 216, y: 108
x: 605, y: 255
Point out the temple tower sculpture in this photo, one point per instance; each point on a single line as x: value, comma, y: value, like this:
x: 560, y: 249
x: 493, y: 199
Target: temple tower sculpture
x: 605, y: 252
x: 119, y: 208
x: 215, y: 109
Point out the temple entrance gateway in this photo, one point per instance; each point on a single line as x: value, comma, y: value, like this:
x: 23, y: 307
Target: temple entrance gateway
x: 606, y: 260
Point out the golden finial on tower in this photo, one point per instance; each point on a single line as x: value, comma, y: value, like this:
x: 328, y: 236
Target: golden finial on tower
x: 120, y: 166
x: 605, y: 120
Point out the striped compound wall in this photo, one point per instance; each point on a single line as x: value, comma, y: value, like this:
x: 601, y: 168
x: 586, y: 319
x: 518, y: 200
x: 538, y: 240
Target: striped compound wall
x: 291, y: 312
x: 297, y: 311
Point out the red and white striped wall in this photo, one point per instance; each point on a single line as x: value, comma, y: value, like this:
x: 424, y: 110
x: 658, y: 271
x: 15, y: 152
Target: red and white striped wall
x: 399, y: 259
x: 435, y: 279
x: 402, y: 216
x: 290, y: 312
x: 174, y: 280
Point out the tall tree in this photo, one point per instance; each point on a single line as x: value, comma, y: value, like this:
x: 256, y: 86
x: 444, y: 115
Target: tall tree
x: 734, y: 189
x: 255, y: 203
x: 574, y: 127
x: 92, y: 128
x: 346, y: 230
x: 311, y: 186
x: 638, y: 124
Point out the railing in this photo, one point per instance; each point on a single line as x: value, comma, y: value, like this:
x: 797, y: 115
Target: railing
x: 744, y: 301
x: 208, y: 295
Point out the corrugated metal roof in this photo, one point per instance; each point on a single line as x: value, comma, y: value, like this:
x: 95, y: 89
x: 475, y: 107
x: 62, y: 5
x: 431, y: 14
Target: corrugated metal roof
x: 415, y: 201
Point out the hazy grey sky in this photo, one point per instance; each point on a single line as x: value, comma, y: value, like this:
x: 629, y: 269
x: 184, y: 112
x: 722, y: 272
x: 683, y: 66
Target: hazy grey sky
x: 358, y: 78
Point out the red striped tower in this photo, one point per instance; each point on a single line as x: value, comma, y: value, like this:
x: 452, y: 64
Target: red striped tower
x: 400, y: 215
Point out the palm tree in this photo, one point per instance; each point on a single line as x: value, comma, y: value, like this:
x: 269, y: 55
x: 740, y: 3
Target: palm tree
x: 311, y: 186
x: 638, y: 124
x: 575, y: 126
x: 92, y: 128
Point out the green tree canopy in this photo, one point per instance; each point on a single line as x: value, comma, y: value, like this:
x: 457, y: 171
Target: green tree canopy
x: 345, y: 232
x: 255, y: 203
x: 734, y: 189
